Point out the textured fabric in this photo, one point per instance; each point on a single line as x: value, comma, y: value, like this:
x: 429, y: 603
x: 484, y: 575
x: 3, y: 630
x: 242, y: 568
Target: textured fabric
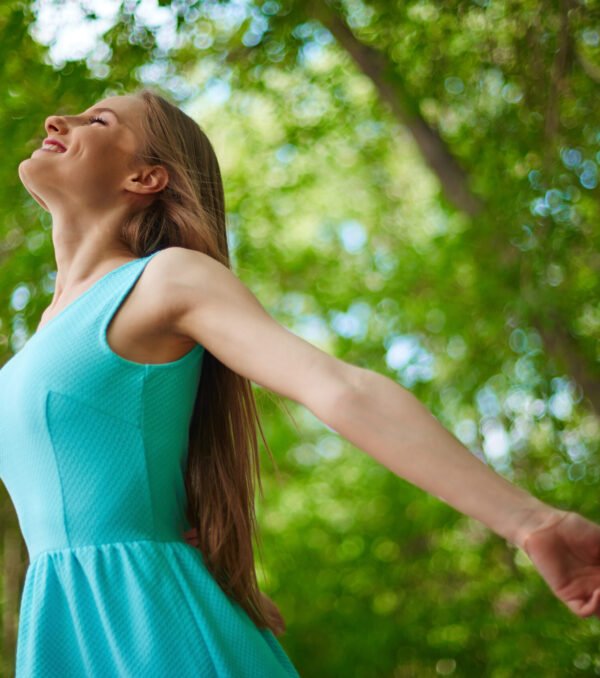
x: 92, y: 452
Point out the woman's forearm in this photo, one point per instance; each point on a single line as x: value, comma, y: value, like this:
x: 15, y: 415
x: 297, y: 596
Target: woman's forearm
x: 389, y: 423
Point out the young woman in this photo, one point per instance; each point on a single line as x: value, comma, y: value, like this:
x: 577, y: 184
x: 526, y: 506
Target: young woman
x: 128, y: 422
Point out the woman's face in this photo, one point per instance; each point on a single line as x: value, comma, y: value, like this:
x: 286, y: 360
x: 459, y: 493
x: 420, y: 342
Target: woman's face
x: 96, y: 169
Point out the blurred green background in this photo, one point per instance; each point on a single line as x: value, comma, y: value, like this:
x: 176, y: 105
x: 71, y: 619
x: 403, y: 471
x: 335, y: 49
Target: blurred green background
x: 413, y: 187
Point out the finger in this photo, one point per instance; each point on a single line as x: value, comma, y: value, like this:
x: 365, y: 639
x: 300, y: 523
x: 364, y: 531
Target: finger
x: 593, y: 605
x: 588, y: 608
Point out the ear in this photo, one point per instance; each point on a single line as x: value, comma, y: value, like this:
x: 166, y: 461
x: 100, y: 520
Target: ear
x: 147, y: 180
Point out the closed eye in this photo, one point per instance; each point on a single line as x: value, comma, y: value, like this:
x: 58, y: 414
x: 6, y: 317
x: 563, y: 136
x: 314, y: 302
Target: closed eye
x: 95, y: 118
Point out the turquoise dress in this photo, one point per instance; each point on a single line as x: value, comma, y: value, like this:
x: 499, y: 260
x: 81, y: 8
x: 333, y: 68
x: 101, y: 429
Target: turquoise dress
x: 92, y: 452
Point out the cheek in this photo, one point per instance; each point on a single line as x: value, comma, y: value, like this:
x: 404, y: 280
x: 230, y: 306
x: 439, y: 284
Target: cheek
x: 101, y: 159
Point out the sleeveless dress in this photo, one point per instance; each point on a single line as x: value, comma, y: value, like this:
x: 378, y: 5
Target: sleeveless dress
x: 92, y: 452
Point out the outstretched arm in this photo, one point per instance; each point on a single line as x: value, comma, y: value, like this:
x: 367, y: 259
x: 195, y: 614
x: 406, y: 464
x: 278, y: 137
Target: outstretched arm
x: 209, y: 304
x: 388, y: 422
x: 393, y: 426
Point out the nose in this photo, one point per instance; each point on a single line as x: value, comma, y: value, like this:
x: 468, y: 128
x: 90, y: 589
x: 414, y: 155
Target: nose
x: 55, y: 123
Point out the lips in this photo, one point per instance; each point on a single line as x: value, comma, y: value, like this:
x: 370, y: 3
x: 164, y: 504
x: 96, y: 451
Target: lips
x: 55, y: 142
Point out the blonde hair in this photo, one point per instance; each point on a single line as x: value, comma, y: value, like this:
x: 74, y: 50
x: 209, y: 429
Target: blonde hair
x: 223, y: 459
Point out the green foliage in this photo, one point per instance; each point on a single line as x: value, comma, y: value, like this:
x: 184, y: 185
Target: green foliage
x: 353, y: 236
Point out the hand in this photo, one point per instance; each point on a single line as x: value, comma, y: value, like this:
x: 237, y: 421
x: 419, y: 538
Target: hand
x: 566, y: 552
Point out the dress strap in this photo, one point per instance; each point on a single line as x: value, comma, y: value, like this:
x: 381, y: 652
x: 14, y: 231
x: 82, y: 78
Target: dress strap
x: 131, y: 275
x: 118, y: 288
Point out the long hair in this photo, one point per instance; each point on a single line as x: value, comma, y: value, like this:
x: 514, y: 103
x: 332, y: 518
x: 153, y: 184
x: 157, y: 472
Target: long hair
x: 223, y: 459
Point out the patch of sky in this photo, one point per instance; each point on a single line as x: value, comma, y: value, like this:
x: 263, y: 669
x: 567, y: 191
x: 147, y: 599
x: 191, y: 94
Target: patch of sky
x: 466, y: 431
x: 516, y: 400
x: 587, y: 170
x: 525, y: 371
x: 385, y: 262
x: 232, y: 237
x: 49, y: 282
x: 312, y: 328
x: 368, y: 130
x: 511, y: 93
x: 19, y: 334
x: 149, y: 14
x: 305, y: 454
x: 216, y: 90
x: 286, y: 153
x: 561, y: 402
x: 191, y: 14
x: 73, y: 32
x: 519, y: 402
x: 518, y: 340
x: 353, y: 235
x: 293, y: 303
x: 588, y: 177
x: 590, y: 37
x: 258, y: 26
x: 553, y: 203
x: 20, y: 297
x: 154, y: 72
x: 576, y: 448
x: 312, y: 31
x: 409, y: 359
x: 456, y: 348
x: 229, y: 16
x: 322, y: 36
x: 67, y: 29
x: 270, y: 7
x: 492, y: 81
x: 359, y: 14
x: 571, y: 157
x: 234, y: 219
x: 329, y: 447
x: 520, y: 432
x: 354, y: 323
x: 304, y: 31
x: 487, y: 402
x: 311, y: 54
x: 496, y: 442
x: 35, y: 240
x: 203, y: 37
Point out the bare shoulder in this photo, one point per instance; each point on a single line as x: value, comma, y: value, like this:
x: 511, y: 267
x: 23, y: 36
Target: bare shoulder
x: 184, y: 280
x: 176, y: 265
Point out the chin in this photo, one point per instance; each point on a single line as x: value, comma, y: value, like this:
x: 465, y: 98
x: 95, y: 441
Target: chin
x: 33, y: 194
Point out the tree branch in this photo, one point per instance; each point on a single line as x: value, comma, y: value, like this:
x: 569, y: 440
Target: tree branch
x: 391, y: 89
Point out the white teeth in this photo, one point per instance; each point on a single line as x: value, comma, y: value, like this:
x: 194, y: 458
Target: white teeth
x: 53, y: 147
